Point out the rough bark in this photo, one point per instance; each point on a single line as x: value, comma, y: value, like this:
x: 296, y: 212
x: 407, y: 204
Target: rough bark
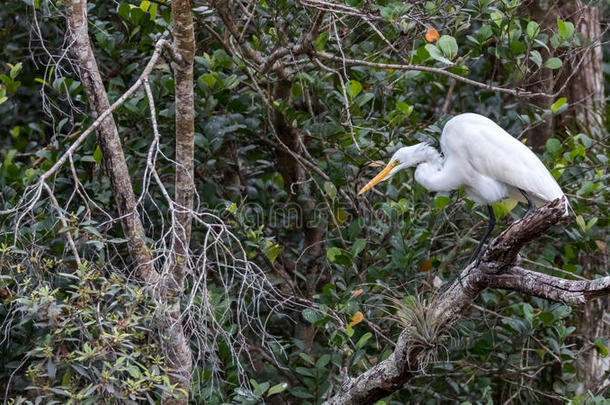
x: 585, y: 90
x: 108, y: 138
x: 592, y: 324
x: 497, y: 269
x: 176, y: 345
x: 581, y: 79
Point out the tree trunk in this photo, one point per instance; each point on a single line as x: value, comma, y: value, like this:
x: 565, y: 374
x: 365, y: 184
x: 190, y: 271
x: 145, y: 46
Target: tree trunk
x: 585, y: 93
x: 176, y: 345
x: 108, y: 138
x: 593, y: 324
x: 585, y: 90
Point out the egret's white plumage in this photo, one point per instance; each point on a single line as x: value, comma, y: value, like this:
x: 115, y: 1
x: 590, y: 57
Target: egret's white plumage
x: 480, y: 156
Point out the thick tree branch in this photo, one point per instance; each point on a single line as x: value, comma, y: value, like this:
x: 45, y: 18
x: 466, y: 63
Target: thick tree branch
x: 575, y: 292
x: 497, y: 270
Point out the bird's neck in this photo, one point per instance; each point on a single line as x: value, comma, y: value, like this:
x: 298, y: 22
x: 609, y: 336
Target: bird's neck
x: 430, y: 174
x: 427, y: 154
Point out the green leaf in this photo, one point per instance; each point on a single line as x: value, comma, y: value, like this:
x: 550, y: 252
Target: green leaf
x: 323, y: 361
x: 553, y: 63
x: 558, y: 104
x: 276, y: 389
x: 553, y: 146
x: 404, y: 108
x: 144, y: 5
x: 301, y: 392
x: 440, y: 201
x: 536, y: 58
x: 580, y: 221
x: 330, y: 189
x: 497, y: 17
x: 562, y: 311
x: 153, y: 11
x: 231, y: 82
x: 304, y: 371
x: 354, y: 88
x: 232, y: 208
x: 502, y: 208
x: 566, y: 29
x: 97, y: 155
x: 448, y: 46
x: 546, y: 317
x: 310, y: 315
x: 436, y: 54
x: 124, y: 10
x: 358, y: 246
x: 339, y: 256
x: 273, y: 252
x: 484, y: 33
x: 591, y: 223
x: 364, y: 98
x: 319, y: 43
x: 209, y: 79
x: 362, y: 341
x: 333, y: 253
x: 307, y: 358
x: 15, y: 70
x: 517, y: 47
x: 533, y: 29
x: 8, y: 160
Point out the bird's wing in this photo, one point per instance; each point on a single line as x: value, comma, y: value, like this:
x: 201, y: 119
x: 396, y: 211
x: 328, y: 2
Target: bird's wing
x: 491, y: 151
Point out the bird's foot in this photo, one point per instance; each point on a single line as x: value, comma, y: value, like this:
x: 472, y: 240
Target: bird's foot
x: 529, y: 211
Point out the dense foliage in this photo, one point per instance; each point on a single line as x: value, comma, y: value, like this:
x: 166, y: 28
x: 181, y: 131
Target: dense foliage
x: 87, y: 333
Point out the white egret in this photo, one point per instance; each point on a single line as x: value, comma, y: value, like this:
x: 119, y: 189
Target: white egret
x: 484, y: 159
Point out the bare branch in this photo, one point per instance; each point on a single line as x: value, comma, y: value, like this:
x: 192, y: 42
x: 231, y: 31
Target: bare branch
x: 429, y: 69
x: 64, y: 224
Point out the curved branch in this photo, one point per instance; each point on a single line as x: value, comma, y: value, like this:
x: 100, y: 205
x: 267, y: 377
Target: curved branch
x: 496, y: 270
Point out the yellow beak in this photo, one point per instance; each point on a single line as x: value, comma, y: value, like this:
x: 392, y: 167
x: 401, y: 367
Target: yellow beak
x: 380, y: 177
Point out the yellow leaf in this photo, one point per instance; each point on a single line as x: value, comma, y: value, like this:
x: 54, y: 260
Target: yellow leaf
x: 356, y: 318
x: 425, y: 266
x: 432, y: 35
x: 601, y: 245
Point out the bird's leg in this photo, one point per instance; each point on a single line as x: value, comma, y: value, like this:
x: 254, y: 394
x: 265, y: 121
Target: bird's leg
x: 531, y: 206
x: 490, y: 227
